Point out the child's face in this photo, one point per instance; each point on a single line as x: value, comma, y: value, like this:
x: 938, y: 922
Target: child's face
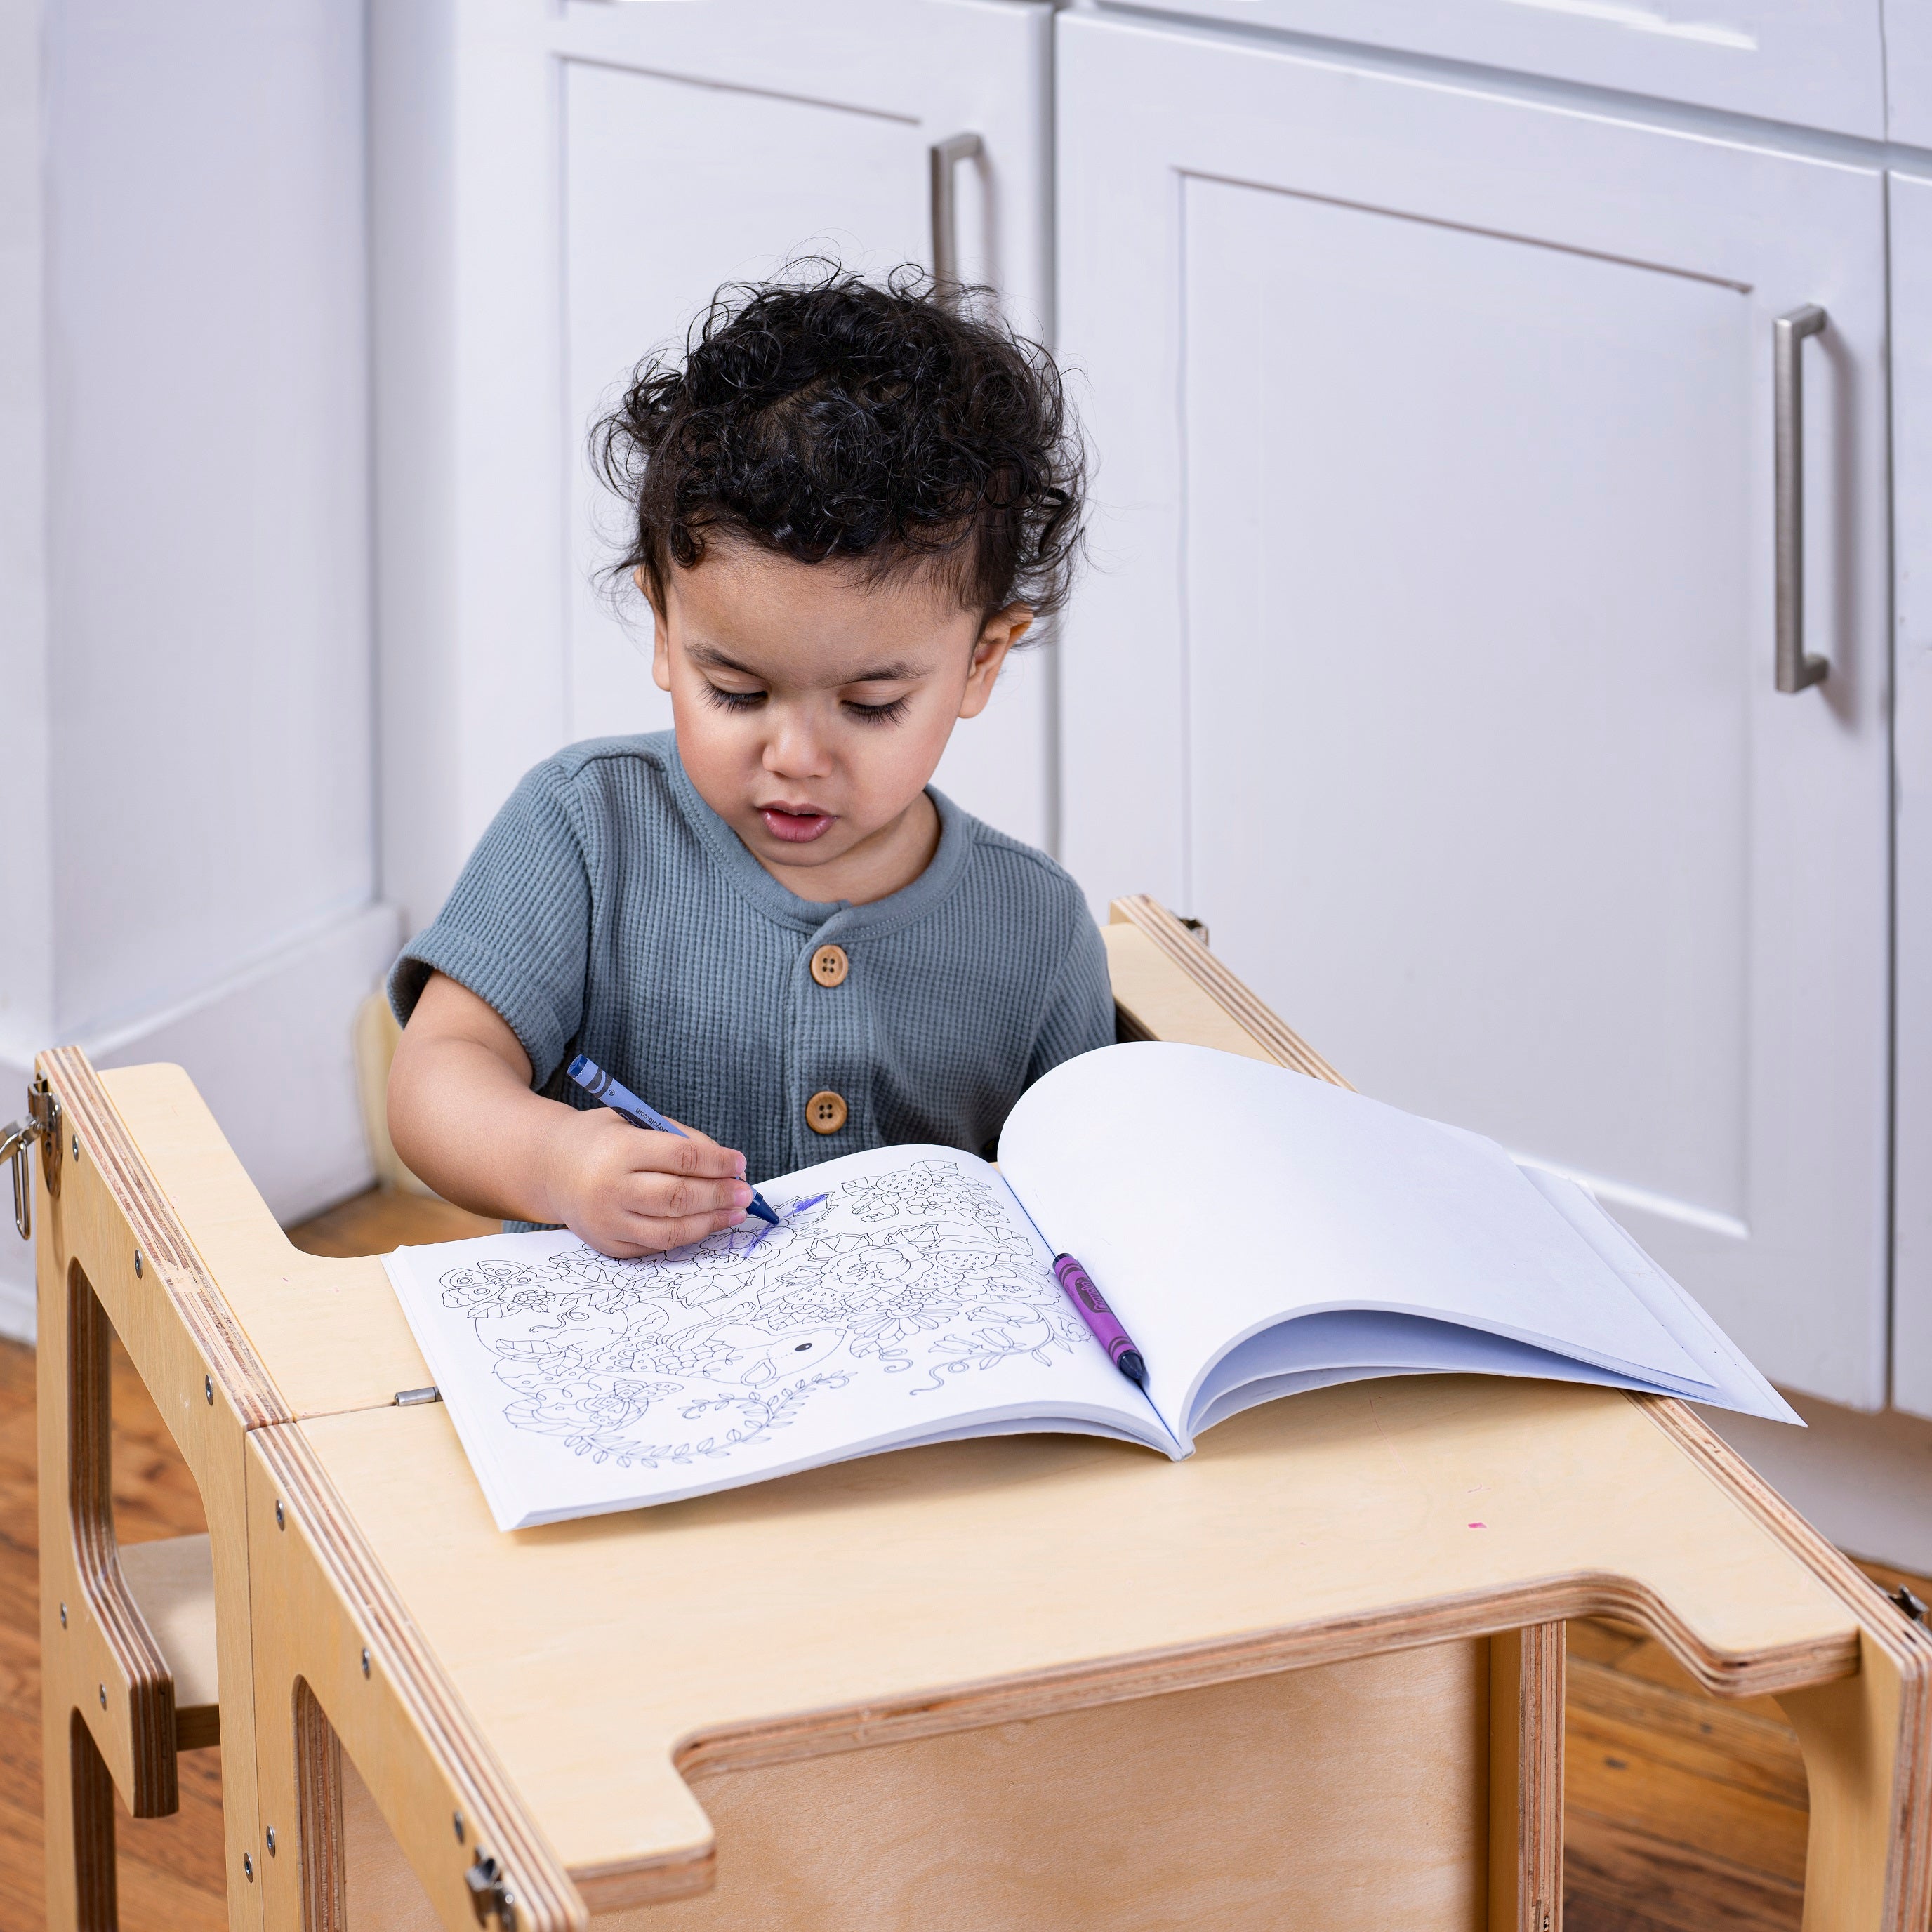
x: 811, y: 709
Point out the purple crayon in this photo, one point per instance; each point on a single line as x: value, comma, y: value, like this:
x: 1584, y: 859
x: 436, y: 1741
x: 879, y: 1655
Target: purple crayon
x: 1092, y: 1304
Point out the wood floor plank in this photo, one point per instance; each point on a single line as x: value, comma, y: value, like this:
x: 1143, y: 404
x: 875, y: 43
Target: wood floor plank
x: 376, y: 1222
x: 170, y: 1869
x: 1619, y: 1879
x: 1597, y: 1640
x: 1699, y: 1735
x: 1615, y: 1771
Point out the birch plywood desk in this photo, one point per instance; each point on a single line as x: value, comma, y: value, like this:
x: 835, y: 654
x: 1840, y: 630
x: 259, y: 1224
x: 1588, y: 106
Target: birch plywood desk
x: 1311, y: 1679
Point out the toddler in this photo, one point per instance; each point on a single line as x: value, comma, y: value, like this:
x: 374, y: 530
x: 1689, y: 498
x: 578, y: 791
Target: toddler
x: 847, y: 504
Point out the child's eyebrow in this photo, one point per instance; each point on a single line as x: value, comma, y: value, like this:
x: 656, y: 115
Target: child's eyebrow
x: 897, y: 672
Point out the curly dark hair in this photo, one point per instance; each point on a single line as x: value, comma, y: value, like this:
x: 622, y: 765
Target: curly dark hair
x: 833, y: 420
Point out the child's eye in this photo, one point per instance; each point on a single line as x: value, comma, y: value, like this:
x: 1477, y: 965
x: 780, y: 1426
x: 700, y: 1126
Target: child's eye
x: 878, y: 714
x: 733, y: 701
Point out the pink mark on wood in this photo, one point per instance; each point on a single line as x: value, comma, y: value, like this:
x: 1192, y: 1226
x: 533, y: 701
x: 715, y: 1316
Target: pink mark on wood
x: 1479, y: 1526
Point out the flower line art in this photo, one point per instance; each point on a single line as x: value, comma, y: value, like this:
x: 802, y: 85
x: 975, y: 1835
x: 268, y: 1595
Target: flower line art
x: 902, y: 1280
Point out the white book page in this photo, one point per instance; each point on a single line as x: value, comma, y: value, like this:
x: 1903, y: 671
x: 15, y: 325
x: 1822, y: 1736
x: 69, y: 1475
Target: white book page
x: 914, y: 1303
x: 1352, y: 1345
x: 1721, y: 1362
x: 1312, y: 1351
x: 1211, y: 1196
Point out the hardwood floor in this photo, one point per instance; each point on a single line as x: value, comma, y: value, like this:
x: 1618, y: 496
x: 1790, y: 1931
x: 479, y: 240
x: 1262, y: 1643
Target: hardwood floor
x: 171, y: 1875
x: 1683, y: 1814
x: 1680, y: 1811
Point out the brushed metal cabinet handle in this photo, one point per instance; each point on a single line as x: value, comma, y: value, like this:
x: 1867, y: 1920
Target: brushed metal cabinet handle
x: 1796, y: 668
x: 946, y: 157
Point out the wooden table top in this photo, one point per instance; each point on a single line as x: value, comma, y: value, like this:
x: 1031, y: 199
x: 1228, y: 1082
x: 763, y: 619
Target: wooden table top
x: 981, y: 1581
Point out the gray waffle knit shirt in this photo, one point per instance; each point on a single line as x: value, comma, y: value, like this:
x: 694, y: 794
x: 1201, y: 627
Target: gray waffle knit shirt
x: 610, y: 911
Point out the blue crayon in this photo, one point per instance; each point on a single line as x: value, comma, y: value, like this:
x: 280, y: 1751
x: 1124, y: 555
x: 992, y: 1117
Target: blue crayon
x: 622, y: 1101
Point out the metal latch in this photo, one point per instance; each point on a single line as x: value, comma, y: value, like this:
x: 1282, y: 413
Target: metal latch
x: 490, y: 1894
x: 43, y: 1123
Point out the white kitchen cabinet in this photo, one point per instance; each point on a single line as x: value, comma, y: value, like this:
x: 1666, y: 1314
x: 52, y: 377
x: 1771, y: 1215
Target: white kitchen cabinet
x: 597, y: 170
x: 1911, y: 206
x: 1815, y: 63
x: 1908, y: 61
x: 1429, y: 658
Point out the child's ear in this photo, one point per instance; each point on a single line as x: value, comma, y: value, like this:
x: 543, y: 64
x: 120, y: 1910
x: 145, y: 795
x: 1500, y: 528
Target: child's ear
x: 998, y: 636
x: 660, y: 636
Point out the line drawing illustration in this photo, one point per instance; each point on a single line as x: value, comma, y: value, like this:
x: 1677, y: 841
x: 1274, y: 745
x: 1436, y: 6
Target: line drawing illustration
x: 906, y: 1279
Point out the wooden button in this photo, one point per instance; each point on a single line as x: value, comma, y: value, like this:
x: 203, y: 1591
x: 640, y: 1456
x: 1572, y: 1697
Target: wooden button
x: 825, y: 1112
x: 830, y: 965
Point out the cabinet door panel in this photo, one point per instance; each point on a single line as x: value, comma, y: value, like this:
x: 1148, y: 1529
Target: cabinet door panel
x: 1493, y: 721
x: 813, y: 138
x: 1908, y: 61
x: 557, y: 190
x: 1435, y: 642
x: 1817, y: 63
x: 1911, y: 199
x: 642, y: 251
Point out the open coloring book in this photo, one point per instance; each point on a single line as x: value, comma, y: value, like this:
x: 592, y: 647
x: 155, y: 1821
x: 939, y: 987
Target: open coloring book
x: 1258, y: 1233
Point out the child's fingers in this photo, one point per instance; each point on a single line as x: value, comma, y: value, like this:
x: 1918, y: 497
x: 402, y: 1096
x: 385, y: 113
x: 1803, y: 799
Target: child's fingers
x: 676, y: 1197
x: 658, y: 1233
x: 666, y: 1153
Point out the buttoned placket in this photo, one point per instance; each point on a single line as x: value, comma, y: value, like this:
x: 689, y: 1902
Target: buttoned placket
x: 829, y: 1034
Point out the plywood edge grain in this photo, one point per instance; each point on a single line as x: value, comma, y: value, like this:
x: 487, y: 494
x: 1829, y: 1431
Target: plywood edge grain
x: 619, y: 1886
x: 173, y: 1582
x: 1179, y: 949
x: 680, y: 1871
x: 1525, y: 1790
x: 329, y: 1331
x: 165, y: 1245
x: 1867, y: 1746
x: 1709, y: 1451
x: 495, y: 1815
x: 1475, y: 1614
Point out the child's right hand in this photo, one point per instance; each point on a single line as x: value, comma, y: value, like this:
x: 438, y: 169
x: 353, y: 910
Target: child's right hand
x: 462, y: 1115
x: 630, y: 1191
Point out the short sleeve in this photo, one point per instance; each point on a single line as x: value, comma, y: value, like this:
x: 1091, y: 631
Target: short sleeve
x: 1080, y: 1008
x: 516, y: 928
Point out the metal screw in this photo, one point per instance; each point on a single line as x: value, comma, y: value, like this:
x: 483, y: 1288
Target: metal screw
x: 365, y: 1661
x: 137, y: 1265
x: 247, y: 1868
x: 207, y: 1389
x: 279, y: 1524
x: 456, y: 1820
x: 76, y: 1147
x: 104, y: 1697
x: 271, y: 1841
x: 63, y: 1616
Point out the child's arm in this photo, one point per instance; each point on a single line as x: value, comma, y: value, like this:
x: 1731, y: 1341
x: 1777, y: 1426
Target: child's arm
x: 462, y: 1117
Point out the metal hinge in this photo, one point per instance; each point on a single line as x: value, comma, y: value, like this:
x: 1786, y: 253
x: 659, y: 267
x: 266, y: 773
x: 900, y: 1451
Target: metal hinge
x: 43, y: 1123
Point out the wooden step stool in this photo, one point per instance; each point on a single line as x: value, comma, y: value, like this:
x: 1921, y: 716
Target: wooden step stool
x: 1312, y: 1678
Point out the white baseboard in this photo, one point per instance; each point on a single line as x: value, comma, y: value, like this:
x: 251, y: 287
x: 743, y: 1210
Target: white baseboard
x: 271, y: 1053
x: 16, y: 1299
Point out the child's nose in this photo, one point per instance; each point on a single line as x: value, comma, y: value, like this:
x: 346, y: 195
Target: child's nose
x: 797, y: 747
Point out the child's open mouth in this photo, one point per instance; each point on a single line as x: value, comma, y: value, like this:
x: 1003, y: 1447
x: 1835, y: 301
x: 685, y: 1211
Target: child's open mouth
x: 797, y: 828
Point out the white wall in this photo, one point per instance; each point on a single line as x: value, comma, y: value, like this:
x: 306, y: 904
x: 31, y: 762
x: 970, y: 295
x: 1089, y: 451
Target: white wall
x: 187, y: 533
x: 26, y: 935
